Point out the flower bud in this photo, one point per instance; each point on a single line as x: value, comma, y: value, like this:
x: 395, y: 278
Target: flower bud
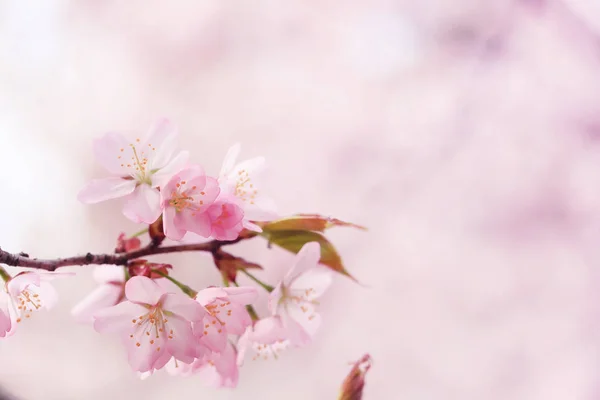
x: 125, y: 245
x: 353, y: 385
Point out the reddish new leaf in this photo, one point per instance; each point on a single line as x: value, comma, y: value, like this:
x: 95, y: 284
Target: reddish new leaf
x: 306, y: 222
x: 293, y: 240
x: 229, y: 265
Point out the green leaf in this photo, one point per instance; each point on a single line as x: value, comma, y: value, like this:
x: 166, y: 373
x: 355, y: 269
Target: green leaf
x: 293, y: 240
x: 306, y: 222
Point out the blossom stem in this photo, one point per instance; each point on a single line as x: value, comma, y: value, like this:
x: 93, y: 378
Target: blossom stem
x: 140, y: 233
x: 268, y: 288
x: 184, y: 288
x: 23, y: 260
x: 252, y: 313
x: 4, y: 275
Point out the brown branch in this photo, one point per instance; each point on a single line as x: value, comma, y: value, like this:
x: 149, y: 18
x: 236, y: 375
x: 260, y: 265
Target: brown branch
x: 23, y: 260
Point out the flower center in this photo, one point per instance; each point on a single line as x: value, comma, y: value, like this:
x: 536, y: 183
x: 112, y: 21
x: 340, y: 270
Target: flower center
x: 138, y: 166
x: 244, y: 188
x: 272, y: 350
x: 218, y: 312
x: 183, y: 199
x: 151, y: 327
x: 28, y: 302
x: 302, y: 298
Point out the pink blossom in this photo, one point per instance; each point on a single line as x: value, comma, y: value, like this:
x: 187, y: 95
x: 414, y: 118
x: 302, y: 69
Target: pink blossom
x: 110, y: 291
x: 185, y: 200
x: 215, y: 369
x: 294, y: 298
x: 23, y: 295
x: 267, y: 338
x: 155, y: 325
x: 239, y: 182
x: 226, y: 220
x: 226, y: 314
x: 139, y: 168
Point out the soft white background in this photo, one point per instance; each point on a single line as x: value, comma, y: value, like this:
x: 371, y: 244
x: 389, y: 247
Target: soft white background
x: 464, y: 134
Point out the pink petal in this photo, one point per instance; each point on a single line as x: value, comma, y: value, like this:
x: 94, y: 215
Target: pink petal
x: 163, y: 175
x: 306, y: 316
x: 102, y: 297
x: 183, y: 306
x: 263, y: 209
x: 144, y: 357
x: 230, y: 158
x: 211, y: 192
x: 312, y: 283
x: 172, y: 229
x: 211, y: 337
x: 182, y: 343
x: 269, y: 330
x: 5, y: 318
x: 99, y: 190
x: 208, y: 295
x: 21, y: 282
x: 294, y: 331
x: 251, y: 227
x: 162, y: 137
x: 238, y: 321
x: 242, y: 346
x: 118, y: 318
x: 242, y: 295
x: 196, y: 222
x: 275, y: 298
x: 308, y: 257
x: 48, y: 296
x: 107, y: 151
x: 109, y: 273
x: 143, y: 205
x: 194, y: 172
x: 253, y: 167
x: 143, y: 290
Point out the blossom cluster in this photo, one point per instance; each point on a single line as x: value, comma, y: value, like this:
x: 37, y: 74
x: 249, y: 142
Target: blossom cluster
x: 163, y: 323
x: 154, y: 178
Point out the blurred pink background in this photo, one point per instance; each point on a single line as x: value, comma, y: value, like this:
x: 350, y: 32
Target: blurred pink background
x: 464, y: 134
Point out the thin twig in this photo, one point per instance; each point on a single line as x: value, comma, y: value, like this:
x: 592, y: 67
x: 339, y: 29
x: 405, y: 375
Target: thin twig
x: 17, y: 260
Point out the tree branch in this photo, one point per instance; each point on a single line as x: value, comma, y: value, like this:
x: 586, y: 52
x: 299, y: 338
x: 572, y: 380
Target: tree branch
x: 23, y: 260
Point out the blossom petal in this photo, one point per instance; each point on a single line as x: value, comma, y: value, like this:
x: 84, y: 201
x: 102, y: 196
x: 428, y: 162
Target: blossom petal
x: 241, y: 295
x: 237, y: 321
x: 183, y: 306
x: 143, y: 290
x: 99, y: 190
x: 21, y: 282
x: 143, y: 205
x: 143, y: 354
x: 109, y: 273
x: 182, y: 343
x: 230, y: 158
x: 196, y: 222
x: 308, y: 257
x: 295, y: 332
x: 162, y: 140
x: 312, y: 283
x: 242, y: 346
x: 5, y: 319
x: 269, y: 330
x: 209, y: 294
x: 171, y: 227
x: 263, y: 209
x: 163, y: 175
x: 117, y: 318
x: 109, y: 152
x: 48, y: 296
x: 213, y: 334
x: 102, y: 297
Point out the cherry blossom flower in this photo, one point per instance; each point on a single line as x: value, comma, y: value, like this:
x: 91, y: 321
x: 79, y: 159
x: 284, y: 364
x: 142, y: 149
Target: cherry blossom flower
x: 226, y: 314
x: 294, y: 298
x: 226, y: 220
x: 155, y: 324
x: 267, y: 338
x: 238, y: 182
x: 185, y: 200
x: 23, y: 295
x: 110, y: 291
x: 139, y: 167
